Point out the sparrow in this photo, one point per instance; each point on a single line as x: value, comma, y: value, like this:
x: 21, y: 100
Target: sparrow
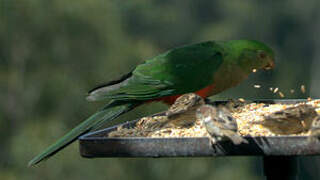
x: 291, y: 120
x: 182, y: 112
x: 219, y: 123
x: 314, y: 130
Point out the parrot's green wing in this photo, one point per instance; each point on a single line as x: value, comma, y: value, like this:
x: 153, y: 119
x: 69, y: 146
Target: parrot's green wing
x: 178, y: 71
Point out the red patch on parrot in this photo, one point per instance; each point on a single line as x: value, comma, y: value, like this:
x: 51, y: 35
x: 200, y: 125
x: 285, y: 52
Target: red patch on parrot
x: 205, y: 92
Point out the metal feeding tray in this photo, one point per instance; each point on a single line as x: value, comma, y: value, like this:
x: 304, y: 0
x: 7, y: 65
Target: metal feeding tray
x: 274, y: 148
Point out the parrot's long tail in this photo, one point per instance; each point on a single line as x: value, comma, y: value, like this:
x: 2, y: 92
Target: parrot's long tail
x: 107, y: 113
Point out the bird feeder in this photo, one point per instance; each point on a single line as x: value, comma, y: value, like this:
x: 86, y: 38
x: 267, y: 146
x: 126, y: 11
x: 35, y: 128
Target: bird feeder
x: 278, y: 152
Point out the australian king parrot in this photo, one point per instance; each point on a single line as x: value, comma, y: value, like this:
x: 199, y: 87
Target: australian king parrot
x: 205, y: 68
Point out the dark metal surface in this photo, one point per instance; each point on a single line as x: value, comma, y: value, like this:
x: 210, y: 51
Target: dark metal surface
x: 281, y: 167
x: 97, y: 144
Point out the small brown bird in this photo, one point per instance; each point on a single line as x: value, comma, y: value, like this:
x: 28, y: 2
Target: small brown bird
x: 183, y: 112
x: 291, y: 120
x: 314, y: 130
x: 219, y: 124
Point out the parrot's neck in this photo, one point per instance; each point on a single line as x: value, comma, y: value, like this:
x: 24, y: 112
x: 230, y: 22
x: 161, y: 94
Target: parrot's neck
x: 230, y: 73
x: 227, y: 77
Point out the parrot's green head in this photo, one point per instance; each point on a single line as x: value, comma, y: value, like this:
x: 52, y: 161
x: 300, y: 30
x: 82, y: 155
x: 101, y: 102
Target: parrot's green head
x: 253, y: 55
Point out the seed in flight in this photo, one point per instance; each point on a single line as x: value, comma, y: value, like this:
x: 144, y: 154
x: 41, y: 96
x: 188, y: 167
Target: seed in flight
x: 257, y: 86
x: 303, y: 89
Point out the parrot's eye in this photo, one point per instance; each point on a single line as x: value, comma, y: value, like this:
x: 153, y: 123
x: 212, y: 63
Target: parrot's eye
x: 262, y: 55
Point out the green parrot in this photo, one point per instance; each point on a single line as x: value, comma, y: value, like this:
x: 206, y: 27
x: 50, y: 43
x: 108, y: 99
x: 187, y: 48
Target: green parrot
x: 205, y: 68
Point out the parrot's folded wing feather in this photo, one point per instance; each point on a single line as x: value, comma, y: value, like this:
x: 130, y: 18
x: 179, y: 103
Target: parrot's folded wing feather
x: 166, y: 75
x: 100, y: 91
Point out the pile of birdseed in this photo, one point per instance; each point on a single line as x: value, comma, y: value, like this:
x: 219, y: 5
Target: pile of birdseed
x: 245, y: 113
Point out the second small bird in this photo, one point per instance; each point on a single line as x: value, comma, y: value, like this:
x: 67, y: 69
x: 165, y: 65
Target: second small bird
x: 219, y: 124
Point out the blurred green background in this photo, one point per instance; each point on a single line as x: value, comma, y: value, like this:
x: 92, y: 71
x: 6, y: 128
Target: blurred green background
x: 53, y: 52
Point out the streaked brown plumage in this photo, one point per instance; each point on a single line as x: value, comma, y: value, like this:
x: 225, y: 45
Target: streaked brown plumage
x: 219, y: 124
x: 314, y: 130
x: 183, y: 111
x: 291, y: 120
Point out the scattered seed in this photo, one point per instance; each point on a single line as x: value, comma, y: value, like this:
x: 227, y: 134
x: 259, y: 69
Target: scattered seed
x: 257, y: 86
x: 303, y: 89
x: 281, y: 94
x: 275, y: 90
x: 291, y: 91
x: 241, y: 100
x: 119, y: 128
x: 245, y: 116
x: 254, y: 70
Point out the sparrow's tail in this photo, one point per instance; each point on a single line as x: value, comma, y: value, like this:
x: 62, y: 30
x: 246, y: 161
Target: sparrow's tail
x: 107, y: 113
x: 237, y: 139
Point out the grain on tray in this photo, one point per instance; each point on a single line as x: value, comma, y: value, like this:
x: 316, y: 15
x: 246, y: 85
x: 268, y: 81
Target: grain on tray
x: 245, y: 113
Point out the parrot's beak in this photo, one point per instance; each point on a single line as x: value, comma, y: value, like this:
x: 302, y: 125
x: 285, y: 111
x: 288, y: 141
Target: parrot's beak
x: 270, y: 65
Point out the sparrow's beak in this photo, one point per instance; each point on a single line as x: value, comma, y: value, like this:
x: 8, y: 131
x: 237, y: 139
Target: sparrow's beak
x: 270, y: 65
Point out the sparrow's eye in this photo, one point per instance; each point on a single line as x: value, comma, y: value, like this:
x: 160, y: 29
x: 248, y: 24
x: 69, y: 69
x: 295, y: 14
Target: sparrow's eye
x: 262, y: 54
x: 230, y: 119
